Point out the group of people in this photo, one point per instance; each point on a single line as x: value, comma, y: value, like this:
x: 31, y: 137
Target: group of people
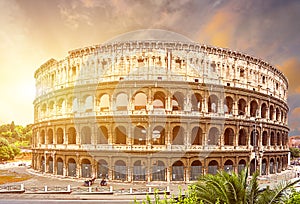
x: 91, y: 181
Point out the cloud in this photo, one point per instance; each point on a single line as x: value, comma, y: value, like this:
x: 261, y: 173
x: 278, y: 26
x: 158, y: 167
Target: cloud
x: 291, y: 69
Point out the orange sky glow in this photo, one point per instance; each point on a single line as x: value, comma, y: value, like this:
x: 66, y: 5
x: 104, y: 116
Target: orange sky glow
x: 33, y: 31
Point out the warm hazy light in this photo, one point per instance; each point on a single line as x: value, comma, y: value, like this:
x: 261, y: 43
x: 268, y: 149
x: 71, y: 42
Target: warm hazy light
x: 34, y: 31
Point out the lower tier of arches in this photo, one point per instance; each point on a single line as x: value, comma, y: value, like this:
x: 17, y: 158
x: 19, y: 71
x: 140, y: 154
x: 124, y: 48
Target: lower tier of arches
x: 162, y: 166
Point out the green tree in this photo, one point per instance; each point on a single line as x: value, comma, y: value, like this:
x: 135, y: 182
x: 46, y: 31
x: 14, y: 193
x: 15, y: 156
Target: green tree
x: 295, y: 152
x: 294, y: 198
x: 7, y: 151
x: 233, y: 188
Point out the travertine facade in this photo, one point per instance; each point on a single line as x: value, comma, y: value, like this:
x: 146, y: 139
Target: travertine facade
x: 158, y: 110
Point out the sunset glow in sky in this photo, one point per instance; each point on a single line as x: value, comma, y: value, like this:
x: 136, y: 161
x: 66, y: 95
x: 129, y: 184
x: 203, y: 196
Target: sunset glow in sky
x: 33, y: 31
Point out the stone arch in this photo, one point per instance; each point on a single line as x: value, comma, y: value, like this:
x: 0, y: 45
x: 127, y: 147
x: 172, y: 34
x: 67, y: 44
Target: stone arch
x: 139, y: 171
x: 229, y: 137
x: 253, y: 108
x: 228, y: 105
x: 228, y: 166
x: 158, y: 136
x: 104, y: 103
x: 277, y: 114
x: 102, y: 135
x: 196, y: 100
x: 254, y: 138
x: 120, y: 135
x: 120, y: 170
x: 241, y: 165
x: 71, y: 135
x: 50, y: 164
x: 265, y: 138
x: 242, y: 137
x: 159, y: 171
x: 178, y: 135
x: 177, y: 101
x: 159, y: 100
x: 213, y: 104
x: 278, y: 165
x: 72, y: 167
x: 121, y: 101
x: 61, y: 106
x: 140, y: 135
x: 271, y: 112
x: 278, y: 139
x: 196, y: 170
x: 264, y: 110
x: 242, y: 107
x: 273, y: 139
x: 178, y: 171
x: 272, y: 166
x: 42, y: 167
x: 59, y: 166
x: 102, y: 169
x: 140, y: 101
x: 196, y: 136
x: 50, y: 136
x: 264, y: 167
x: 88, y: 103
x: 86, y: 135
x: 86, y: 168
x: 60, y: 136
x: 213, y: 136
x: 213, y: 167
x: 42, y: 137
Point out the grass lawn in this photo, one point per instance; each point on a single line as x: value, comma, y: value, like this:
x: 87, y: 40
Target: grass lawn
x: 10, y: 177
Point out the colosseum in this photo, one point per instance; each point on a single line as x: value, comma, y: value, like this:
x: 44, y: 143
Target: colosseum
x: 152, y: 105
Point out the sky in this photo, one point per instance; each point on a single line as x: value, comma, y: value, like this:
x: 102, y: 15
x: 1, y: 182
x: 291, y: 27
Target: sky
x: 33, y: 31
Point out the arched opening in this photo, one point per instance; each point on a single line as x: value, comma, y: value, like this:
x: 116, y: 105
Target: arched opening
x: 277, y: 114
x: 86, y: 168
x: 159, y: 100
x: 228, y: 166
x: 278, y: 139
x: 272, y: 139
x: 253, y: 108
x: 88, y: 104
x: 71, y: 168
x: 159, y: 171
x: 158, y: 136
x: 254, y: 138
x: 42, y: 137
x: 102, y: 135
x: 50, y: 164
x: 86, y: 135
x: 228, y: 104
x: 272, y: 167
x: 253, y: 166
x: 120, y: 170
x: 50, y: 136
x: 196, y: 102
x: 71, y: 135
x: 177, y: 101
x: 61, y: 106
x: 213, y: 136
x: 43, y: 164
x: 120, y: 135
x: 264, y: 167
x: 242, y: 107
x: 242, y: 137
x: 139, y: 135
x: 229, y: 137
x: 213, y: 104
x: 102, y: 169
x: 265, y: 138
x: 196, y: 136
x: 213, y: 167
x: 139, y: 171
x: 60, y: 166
x: 178, y: 171
x: 264, y: 110
x: 196, y: 170
x: 271, y: 112
x: 104, y: 103
x: 60, y: 136
x: 241, y: 165
x: 178, y: 136
x: 121, y: 102
x: 140, y: 101
x: 278, y: 165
